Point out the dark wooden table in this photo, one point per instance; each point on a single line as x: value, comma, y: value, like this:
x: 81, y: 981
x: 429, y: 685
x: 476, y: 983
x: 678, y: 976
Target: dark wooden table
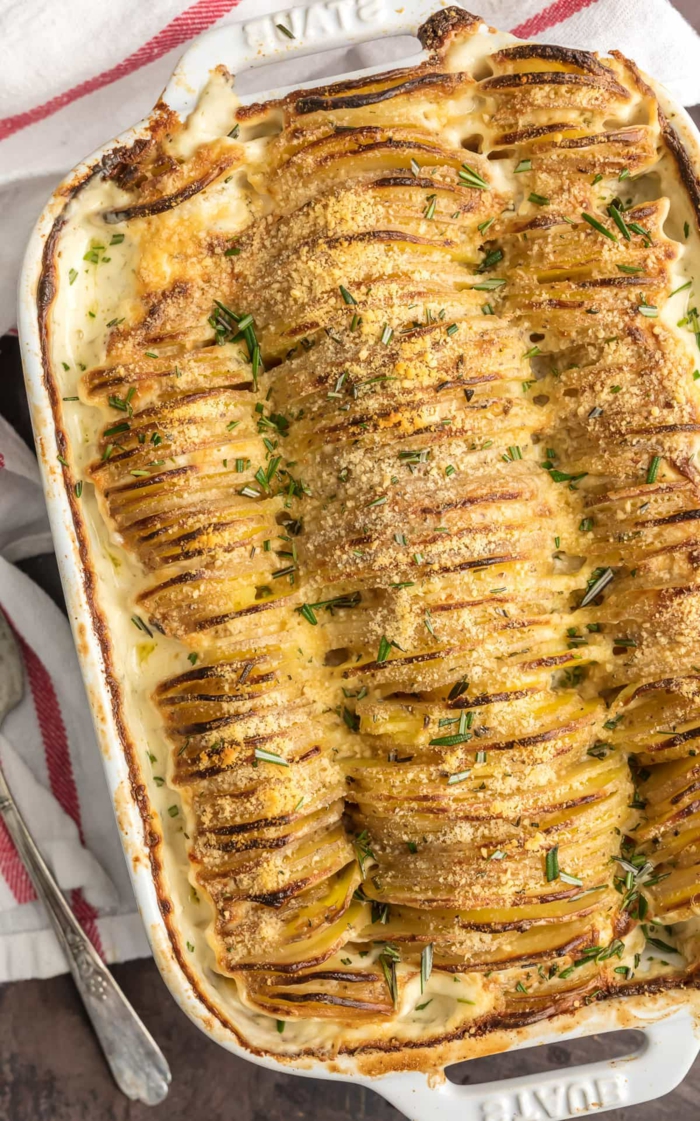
x: 51, y: 1068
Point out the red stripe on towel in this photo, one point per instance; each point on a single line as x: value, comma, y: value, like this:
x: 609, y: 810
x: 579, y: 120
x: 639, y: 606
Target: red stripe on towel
x: 12, y: 869
x: 190, y: 23
x: 551, y: 15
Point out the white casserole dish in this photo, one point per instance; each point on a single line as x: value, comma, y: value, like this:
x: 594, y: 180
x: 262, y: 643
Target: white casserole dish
x: 671, y: 1041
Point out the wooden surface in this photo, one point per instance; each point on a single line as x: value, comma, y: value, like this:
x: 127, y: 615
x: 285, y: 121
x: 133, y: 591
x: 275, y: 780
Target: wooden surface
x: 51, y: 1068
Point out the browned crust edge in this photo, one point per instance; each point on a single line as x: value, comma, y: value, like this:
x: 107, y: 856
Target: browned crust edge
x: 673, y: 141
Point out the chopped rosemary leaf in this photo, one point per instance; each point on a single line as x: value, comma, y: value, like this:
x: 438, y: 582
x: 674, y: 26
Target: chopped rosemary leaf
x: 471, y: 178
x: 552, y: 864
x: 596, y: 586
x: 492, y: 258
x: 488, y: 286
x: 680, y: 289
x: 285, y: 31
x: 387, y: 334
x: 483, y: 226
x: 597, y: 226
x: 619, y: 221
x: 270, y: 757
x: 459, y: 777
x: 539, y: 200
x: 630, y: 269
x: 426, y: 965
x: 139, y: 623
x: 653, y: 469
x: 78, y: 489
x: 566, y: 878
x: 385, y: 645
x: 72, y: 275
x: 349, y: 299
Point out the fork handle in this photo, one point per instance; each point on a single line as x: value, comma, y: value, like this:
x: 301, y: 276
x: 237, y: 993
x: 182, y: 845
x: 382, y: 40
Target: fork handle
x: 134, y: 1058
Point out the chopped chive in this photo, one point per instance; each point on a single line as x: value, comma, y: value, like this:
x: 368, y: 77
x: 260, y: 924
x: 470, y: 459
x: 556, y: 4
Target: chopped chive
x: 524, y: 165
x: 596, y: 179
x: 686, y: 229
x: 387, y: 334
x: 78, y: 489
x: 429, y: 211
x: 452, y: 329
x: 72, y: 275
x: 285, y: 31
x: 539, y: 200
x: 173, y: 811
x: 630, y: 269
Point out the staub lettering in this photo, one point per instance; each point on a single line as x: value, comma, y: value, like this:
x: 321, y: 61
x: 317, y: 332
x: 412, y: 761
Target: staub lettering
x: 556, y: 1101
x: 335, y: 18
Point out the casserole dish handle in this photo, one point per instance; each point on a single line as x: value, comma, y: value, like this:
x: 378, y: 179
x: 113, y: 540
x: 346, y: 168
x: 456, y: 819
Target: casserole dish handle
x: 661, y: 1061
x: 307, y: 29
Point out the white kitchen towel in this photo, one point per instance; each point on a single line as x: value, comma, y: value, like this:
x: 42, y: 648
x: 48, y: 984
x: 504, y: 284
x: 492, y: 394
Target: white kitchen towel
x: 74, y: 74
x: 51, y: 759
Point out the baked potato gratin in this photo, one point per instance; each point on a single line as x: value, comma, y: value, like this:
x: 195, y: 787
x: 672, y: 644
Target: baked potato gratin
x: 386, y: 395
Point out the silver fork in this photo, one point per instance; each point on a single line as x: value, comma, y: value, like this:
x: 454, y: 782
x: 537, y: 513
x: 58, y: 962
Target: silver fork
x: 134, y: 1058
